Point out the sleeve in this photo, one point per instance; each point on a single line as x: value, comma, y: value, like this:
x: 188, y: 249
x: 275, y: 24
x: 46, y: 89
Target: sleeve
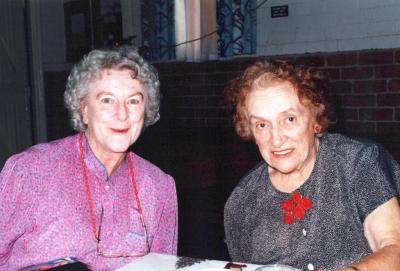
x: 166, y: 237
x: 233, y: 231
x: 17, y: 200
x: 376, y: 179
x: 239, y: 212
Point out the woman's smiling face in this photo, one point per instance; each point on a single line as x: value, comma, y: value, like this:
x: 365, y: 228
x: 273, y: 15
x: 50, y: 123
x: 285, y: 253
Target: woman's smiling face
x: 283, y: 128
x: 114, y: 113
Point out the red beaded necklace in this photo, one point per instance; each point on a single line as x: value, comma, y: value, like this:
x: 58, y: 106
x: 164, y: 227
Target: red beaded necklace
x: 87, y: 186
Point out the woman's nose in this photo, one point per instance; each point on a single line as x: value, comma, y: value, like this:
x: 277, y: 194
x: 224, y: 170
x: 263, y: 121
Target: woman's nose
x: 277, y: 137
x: 122, y: 112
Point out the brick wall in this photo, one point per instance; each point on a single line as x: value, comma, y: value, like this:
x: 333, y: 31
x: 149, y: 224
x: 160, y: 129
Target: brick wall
x: 365, y: 92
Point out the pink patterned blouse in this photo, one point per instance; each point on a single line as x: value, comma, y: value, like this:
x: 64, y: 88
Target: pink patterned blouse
x: 44, y: 213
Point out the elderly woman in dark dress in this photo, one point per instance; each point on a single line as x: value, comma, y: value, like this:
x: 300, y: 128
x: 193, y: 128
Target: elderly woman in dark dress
x: 318, y: 201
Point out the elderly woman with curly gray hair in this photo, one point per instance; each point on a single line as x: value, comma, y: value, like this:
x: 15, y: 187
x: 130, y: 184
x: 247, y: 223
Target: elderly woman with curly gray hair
x: 86, y: 197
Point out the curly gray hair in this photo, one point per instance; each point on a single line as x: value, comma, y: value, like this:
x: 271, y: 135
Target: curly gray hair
x: 91, y: 68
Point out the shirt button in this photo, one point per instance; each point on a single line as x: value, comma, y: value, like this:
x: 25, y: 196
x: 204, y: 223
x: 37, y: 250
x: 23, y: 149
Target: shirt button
x: 310, y: 266
x: 107, y: 187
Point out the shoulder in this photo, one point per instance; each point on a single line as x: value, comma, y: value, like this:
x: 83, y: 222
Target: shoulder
x: 364, y: 159
x: 38, y: 157
x: 249, y: 180
x: 26, y: 172
x: 152, y: 173
x: 351, y: 150
x: 248, y: 185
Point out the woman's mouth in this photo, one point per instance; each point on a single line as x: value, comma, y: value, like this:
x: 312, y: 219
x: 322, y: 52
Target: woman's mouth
x: 282, y: 152
x: 120, y: 131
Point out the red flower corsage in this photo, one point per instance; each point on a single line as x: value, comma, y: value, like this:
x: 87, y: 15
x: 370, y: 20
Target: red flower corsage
x: 295, y: 207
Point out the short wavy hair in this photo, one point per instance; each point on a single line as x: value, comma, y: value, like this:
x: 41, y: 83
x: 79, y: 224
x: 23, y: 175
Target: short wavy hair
x: 91, y: 68
x: 312, y: 88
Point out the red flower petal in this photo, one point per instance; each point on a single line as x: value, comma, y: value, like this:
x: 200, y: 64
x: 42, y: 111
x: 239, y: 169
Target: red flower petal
x: 296, y: 196
x: 289, y: 219
x: 306, y: 203
x: 287, y: 205
x: 299, y: 212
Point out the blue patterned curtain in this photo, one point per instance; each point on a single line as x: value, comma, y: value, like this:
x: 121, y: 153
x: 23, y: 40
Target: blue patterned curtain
x: 158, y: 29
x: 236, y: 27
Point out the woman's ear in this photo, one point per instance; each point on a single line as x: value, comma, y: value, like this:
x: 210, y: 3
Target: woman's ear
x: 317, y: 128
x: 84, y: 113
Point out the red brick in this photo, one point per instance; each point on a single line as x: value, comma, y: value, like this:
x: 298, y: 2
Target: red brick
x: 203, y: 90
x: 190, y: 101
x: 359, y: 100
x: 218, y: 122
x: 333, y: 73
x: 182, y: 67
x: 387, y: 71
x: 370, y: 86
x: 342, y: 59
x: 185, y: 122
x: 359, y: 127
x: 212, y: 112
x: 223, y: 66
x: 397, y: 56
x: 347, y: 113
x: 196, y: 78
x: 357, y: 73
x: 216, y: 78
x: 386, y: 128
x: 378, y: 114
x: 172, y: 81
x: 341, y: 87
x: 314, y: 61
x: 207, y: 66
x: 185, y: 112
x: 394, y: 85
x: 381, y: 57
x: 389, y: 100
x: 334, y: 100
x: 213, y: 101
x: 396, y: 154
x: 163, y: 67
x: 397, y: 114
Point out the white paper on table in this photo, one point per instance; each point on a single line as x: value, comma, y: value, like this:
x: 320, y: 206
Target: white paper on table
x: 151, y: 262
x: 162, y: 262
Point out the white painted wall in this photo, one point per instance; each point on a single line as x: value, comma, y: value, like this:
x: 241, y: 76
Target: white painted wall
x: 312, y: 26
x: 328, y: 26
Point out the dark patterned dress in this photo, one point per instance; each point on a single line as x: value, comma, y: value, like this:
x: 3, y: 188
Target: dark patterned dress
x: 349, y: 180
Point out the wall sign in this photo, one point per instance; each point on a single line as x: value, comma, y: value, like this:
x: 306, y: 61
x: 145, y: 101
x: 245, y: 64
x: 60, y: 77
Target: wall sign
x: 279, y: 11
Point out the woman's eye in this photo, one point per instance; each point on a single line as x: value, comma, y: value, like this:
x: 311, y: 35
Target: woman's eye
x: 106, y: 100
x: 261, y: 125
x: 291, y: 119
x: 133, y: 101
